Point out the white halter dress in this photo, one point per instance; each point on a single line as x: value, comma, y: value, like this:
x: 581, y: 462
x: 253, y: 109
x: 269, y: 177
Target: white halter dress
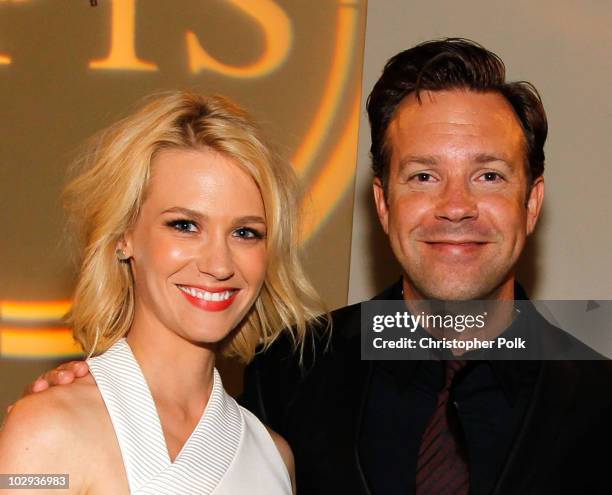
x: 230, y: 452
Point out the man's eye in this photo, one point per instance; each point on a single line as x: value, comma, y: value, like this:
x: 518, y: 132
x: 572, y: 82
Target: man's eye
x: 491, y: 177
x: 423, y: 177
x: 248, y: 233
x: 183, y: 225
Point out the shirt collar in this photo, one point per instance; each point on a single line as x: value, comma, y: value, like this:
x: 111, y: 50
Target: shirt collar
x: 512, y: 375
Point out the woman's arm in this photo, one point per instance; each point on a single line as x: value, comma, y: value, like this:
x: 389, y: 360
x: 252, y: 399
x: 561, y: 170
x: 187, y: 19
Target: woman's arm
x: 286, y: 454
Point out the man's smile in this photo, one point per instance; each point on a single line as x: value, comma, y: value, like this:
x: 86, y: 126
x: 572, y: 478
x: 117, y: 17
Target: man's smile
x: 456, y: 248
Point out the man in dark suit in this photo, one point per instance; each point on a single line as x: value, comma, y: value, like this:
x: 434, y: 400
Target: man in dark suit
x: 458, y: 161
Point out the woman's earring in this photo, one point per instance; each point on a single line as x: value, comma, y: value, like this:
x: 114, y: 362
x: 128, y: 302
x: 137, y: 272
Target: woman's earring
x: 121, y: 256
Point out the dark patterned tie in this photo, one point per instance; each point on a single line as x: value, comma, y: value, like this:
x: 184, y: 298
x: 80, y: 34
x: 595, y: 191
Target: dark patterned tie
x: 441, y: 467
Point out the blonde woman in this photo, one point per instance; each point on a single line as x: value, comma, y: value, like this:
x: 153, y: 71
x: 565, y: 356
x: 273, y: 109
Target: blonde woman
x: 188, y: 228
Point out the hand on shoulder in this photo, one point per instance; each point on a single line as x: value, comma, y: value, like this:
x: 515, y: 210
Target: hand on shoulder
x: 64, y: 374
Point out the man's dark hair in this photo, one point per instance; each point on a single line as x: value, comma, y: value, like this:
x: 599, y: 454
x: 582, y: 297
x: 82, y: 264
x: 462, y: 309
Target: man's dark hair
x: 452, y: 63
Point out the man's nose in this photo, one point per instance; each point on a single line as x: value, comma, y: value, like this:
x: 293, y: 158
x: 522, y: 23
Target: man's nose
x: 215, y: 259
x: 457, y: 202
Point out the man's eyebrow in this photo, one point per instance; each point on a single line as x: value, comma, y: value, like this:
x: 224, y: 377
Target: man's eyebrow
x: 421, y: 159
x: 489, y: 157
x: 432, y: 160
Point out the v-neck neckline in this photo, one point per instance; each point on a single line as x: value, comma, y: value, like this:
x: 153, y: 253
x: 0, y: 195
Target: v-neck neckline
x: 204, y: 457
x: 162, y: 438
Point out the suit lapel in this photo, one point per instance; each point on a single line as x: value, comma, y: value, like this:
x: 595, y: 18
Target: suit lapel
x: 538, y: 435
x: 363, y: 382
x: 361, y: 397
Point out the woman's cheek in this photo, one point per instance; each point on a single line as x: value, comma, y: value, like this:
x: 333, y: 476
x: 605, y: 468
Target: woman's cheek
x: 257, y: 264
x: 179, y: 253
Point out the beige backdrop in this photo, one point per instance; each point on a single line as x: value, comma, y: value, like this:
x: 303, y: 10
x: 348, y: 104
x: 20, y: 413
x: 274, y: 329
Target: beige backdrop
x: 564, y: 48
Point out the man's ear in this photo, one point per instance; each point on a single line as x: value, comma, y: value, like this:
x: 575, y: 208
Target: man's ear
x: 534, y: 204
x: 381, y: 203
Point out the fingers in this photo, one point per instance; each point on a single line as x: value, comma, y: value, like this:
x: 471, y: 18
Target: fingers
x: 49, y: 379
x: 77, y: 369
x: 62, y: 375
x: 56, y: 377
x: 66, y: 373
x: 37, y: 385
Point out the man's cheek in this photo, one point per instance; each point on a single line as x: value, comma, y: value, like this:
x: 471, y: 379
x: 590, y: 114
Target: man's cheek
x: 410, y: 210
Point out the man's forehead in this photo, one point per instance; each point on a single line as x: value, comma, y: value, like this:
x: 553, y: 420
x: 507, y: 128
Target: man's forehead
x: 456, y: 118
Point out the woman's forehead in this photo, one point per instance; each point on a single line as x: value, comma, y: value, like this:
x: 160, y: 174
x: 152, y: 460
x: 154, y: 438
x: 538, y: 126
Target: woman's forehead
x: 204, y: 178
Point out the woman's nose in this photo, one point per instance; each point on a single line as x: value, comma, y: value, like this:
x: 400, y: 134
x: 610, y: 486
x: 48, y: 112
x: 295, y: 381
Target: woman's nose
x: 215, y: 259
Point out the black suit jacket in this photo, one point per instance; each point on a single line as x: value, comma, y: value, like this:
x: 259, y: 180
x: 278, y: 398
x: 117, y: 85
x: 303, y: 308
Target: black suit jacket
x: 564, y: 444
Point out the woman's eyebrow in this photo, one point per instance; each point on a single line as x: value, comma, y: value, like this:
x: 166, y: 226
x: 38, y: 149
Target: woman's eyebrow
x: 184, y: 211
x: 250, y: 219
x: 196, y: 214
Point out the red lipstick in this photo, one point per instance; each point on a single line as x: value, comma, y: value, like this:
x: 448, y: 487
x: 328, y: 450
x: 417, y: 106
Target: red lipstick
x: 211, y: 305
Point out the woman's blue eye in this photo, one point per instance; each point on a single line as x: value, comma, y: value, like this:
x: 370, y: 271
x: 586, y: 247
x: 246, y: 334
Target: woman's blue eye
x: 183, y: 225
x: 248, y: 233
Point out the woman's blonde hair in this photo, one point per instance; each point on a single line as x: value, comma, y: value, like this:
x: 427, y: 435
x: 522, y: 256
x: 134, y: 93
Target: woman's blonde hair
x: 105, y: 198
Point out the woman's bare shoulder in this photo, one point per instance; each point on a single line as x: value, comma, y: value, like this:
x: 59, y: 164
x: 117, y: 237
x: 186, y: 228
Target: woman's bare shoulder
x: 48, y: 430
x: 58, y: 406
